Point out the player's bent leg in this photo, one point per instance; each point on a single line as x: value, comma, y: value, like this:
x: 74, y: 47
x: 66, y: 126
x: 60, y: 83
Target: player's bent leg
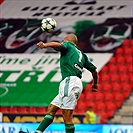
x: 52, y: 109
x: 48, y: 119
x: 67, y: 117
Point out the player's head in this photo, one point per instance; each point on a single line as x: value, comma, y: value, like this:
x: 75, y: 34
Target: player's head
x: 71, y: 38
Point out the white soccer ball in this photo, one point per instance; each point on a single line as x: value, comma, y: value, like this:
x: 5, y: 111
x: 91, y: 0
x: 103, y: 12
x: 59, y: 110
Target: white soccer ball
x: 48, y: 25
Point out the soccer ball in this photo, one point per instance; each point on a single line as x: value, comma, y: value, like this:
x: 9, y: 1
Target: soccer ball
x: 48, y: 25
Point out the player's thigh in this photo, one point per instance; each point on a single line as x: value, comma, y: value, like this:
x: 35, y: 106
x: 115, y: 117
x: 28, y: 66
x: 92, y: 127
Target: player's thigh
x: 67, y: 116
x: 56, y: 101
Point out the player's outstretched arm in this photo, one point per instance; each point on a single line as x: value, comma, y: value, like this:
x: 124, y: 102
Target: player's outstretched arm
x: 54, y: 45
x: 95, y: 81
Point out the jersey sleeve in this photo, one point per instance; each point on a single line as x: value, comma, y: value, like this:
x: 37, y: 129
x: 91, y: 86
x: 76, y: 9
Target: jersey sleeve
x: 88, y: 65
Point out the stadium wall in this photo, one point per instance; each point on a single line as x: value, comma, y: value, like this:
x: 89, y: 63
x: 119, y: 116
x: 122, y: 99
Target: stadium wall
x: 60, y: 128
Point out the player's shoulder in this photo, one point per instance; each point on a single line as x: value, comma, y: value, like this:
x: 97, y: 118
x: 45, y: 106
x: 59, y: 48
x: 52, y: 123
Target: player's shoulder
x: 84, y: 54
x: 67, y: 45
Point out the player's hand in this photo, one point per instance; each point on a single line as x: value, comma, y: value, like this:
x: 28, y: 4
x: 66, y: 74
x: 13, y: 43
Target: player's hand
x: 41, y: 45
x: 94, y: 88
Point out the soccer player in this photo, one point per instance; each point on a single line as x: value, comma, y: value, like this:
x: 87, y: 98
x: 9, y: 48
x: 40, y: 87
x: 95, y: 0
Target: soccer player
x: 72, y: 62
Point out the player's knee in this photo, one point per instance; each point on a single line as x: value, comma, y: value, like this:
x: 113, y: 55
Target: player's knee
x: 68, y: 120
x: 52, y: 110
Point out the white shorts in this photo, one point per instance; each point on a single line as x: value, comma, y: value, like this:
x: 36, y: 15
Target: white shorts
x: 69, y: 91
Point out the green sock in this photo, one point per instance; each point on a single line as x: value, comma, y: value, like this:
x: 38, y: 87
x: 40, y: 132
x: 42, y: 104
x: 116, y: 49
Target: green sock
x: 69, y: 128
x: 48, y: 119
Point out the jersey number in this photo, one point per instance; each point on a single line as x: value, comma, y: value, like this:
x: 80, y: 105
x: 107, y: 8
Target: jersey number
x: 80, y: 55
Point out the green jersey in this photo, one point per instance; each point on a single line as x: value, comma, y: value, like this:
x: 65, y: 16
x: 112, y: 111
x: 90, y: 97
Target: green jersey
x: 73, y: 60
